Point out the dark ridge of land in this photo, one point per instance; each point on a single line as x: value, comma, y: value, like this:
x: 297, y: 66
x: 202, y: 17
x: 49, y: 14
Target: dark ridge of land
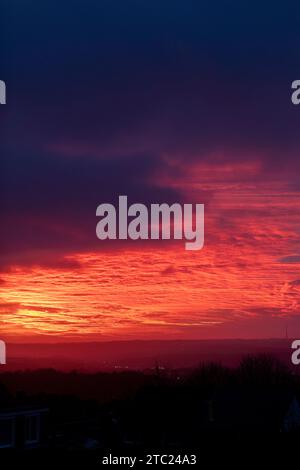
x: 122, y: 355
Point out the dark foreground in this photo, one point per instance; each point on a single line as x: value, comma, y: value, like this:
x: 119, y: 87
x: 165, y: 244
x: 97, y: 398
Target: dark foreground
x: 209, y: 412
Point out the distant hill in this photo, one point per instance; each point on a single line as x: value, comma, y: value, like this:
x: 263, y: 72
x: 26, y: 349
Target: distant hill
x: 140, y: 354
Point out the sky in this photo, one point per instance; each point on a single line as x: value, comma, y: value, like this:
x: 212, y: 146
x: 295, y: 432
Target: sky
x: 164, y: 101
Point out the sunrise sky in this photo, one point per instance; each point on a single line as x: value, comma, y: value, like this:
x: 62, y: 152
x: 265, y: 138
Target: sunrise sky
x: 165, y: 102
